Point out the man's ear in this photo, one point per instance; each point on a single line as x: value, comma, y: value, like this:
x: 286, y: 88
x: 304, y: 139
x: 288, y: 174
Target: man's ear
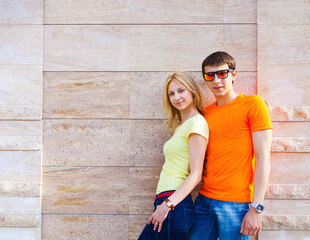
x: 234, y: 74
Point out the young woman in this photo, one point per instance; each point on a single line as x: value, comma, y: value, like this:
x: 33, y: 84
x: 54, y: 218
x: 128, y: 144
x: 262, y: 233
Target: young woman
x: 184, y: 158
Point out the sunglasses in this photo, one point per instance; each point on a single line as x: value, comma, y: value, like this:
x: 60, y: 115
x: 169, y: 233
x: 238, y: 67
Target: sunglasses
x: 222, y: 74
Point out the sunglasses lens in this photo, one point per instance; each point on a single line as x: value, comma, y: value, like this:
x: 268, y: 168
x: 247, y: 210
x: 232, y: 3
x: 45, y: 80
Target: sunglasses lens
x: 222, y: 74
x: 209, y: 76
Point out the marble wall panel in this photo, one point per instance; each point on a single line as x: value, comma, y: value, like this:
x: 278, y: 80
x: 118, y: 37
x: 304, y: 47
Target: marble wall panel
x: 20, y: 166
x: 136, y: 225
x: 284, y: 235
x: 86, y: 48
x: 288, y: 191
x: 21, y: 44
x: 148, y: 12
x: 185, y: 47
x: 283, y: 12
x: 290, y: 144
x: 20, y: 204
x: 146, y: 91
x: 19, y: 188
x: 20, y: 135
x: 18, y: 219
x: 20, y: 233
x: 68, y: 142
x: 137, y: 48
x: 147, y: 140
x: 287, y: 113
x: 287, y: 207
x: 142, y: 188
x: 89, y: 190
x: 87, y: 227
x: 284, y: 221
x: 20, y: 94
x: 281, y: 50
x: 21, y: 12
x: 86, y: 95
x: 291, y: 129
x: 290, y: 168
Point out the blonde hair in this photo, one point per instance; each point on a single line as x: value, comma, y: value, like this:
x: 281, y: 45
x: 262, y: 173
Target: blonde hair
x: 186, y: 80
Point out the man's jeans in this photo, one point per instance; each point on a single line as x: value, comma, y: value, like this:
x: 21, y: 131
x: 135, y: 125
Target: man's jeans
x: 218, y: 219
x: 177, y: 224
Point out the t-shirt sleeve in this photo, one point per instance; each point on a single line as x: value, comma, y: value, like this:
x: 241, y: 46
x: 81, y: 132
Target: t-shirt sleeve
x: 199, y: 126
x: 259, y: 115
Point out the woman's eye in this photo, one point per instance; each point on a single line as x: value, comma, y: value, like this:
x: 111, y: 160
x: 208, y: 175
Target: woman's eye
x: 181, y: 90
x: 170, y: 94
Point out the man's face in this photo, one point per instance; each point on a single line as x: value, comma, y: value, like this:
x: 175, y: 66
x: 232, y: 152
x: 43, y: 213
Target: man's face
x: 220, y: 87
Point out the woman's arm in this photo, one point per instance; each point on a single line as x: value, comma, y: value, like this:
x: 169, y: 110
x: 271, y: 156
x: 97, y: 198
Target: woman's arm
x: 197, y: 151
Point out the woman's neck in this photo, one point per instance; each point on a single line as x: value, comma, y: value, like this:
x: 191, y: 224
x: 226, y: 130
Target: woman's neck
x: 188, y: 113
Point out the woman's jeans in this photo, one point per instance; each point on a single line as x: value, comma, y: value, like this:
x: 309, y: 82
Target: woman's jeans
x: 218, y: 219
x: 177, y: 224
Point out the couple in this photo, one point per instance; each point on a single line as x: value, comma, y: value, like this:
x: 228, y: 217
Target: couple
x: 236, y: 170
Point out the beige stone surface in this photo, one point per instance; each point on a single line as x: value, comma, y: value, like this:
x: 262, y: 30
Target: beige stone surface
x: 144, y: 12
x: 86, y: 95
x: 296, y: 222
x: 136, y: 225
x: 21, y: 12
x: 137, y: 48
x: 20, y: 85
x: 155, y: 52
x: 68, y: 142
x: 20, y: 204
x: 284, y: 235
x: 20, y: 188
x: 13, y: 233
x: 16, y: 143
x: 20, y: 128
x: 91, y: 190
x: 146, y: 91
x: 290, y: 144
x: 87, y: 227
x: 22, y: 167
x: 283, y: 12
x: 21, y: 44
x: 240, y: 11
x: 147, y: 139
x: 281, y: 50
x: 291, y: 129
x: 290, y: 168
x: 288, y: 191
x: 286, y: 113
x: 287, y: 87
x: 9, y: 219
x: 287, y: 207
x: 142, y: 188
x: 20, y: 112
x: 86, y: 48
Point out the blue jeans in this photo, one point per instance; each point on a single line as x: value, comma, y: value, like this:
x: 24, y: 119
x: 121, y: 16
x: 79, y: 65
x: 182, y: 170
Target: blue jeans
x: 177, y: 224
x: 218, y: 219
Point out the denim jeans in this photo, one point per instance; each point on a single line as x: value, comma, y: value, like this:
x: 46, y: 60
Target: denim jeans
x: 218, y: 219
x: 177, y: 224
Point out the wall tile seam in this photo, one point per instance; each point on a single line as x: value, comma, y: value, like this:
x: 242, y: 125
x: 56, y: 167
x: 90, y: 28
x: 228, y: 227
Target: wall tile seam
x: 142, y: 24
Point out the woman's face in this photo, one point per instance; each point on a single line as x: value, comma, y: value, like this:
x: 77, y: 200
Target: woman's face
x: 179, y: 96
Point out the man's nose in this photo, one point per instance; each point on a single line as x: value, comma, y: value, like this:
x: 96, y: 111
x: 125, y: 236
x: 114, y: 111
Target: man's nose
x: 216, y: 78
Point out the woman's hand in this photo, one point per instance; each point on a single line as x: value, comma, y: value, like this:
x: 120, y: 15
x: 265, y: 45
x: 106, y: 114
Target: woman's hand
x: 158, y: 217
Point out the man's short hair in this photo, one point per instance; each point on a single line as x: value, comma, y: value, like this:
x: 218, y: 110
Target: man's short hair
x: 217, y: 59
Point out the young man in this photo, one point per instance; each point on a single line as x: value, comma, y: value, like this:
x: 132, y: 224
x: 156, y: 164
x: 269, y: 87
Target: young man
x: 237, y: 165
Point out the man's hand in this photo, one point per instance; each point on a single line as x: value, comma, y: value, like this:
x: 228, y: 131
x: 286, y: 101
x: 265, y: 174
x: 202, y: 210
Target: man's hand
x: 251, y: 223
x: 158, y: 217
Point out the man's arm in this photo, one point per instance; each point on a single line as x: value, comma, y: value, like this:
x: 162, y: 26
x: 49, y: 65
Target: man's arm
x: 252, y: 222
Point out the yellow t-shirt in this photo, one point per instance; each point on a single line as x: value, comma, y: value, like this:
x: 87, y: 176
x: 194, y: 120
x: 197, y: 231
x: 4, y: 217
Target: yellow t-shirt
x: 176, y: 151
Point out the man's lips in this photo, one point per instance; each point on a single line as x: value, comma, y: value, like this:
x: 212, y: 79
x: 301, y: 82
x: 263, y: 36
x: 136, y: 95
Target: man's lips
x: 217, y: 88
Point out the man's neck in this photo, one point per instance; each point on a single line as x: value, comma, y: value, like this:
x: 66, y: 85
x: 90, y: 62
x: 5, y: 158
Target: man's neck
x: 222, y: 100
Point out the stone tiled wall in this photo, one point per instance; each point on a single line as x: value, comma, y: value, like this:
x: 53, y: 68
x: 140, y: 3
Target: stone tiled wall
x: 102, y: 121
x: 21, y: 28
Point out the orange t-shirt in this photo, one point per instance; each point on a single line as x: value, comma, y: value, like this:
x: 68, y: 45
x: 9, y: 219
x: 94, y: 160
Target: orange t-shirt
x: 229, y: 165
